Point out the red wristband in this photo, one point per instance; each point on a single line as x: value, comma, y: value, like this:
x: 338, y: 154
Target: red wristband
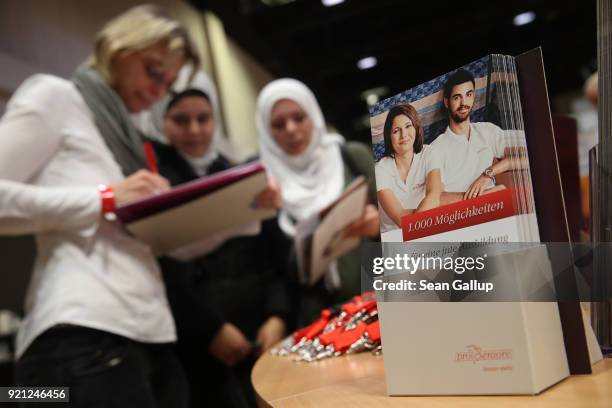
x: 107, y: 195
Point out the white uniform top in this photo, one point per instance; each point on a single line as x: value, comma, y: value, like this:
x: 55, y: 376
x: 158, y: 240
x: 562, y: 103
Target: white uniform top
x: 461, y: 161
x: 409, y: 193
x: 88, y: 272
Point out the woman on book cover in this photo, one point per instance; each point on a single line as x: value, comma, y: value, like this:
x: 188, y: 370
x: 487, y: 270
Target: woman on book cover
x: 312, y: 167
x: 405, y: 180
x: 97, y: 318
x: 232, y: 303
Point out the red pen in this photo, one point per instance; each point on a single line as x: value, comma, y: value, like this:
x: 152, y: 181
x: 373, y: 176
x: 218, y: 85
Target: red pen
x: 151, y: 159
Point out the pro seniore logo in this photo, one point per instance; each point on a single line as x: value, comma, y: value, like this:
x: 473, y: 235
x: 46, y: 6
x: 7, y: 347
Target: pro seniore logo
x: 475, y: 353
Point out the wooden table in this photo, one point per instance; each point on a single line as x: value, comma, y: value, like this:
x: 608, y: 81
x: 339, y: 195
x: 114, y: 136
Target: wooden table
x: 358, y: 381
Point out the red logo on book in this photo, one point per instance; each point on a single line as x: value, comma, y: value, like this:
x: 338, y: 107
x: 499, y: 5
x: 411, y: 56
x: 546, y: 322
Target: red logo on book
x: 475, y: 354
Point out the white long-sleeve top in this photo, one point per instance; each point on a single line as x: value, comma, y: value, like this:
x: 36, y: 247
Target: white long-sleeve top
x: 88, y: 271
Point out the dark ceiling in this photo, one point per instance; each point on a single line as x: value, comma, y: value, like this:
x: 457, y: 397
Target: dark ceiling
x: 413, y: 42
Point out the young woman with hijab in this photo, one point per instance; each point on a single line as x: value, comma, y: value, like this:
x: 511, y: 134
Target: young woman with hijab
x: 97, y: 318
x: 312, y: 167
x: 232, y: 303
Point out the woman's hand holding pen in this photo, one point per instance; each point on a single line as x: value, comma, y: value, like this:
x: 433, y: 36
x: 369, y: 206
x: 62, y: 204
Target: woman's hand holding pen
x: 141, y: 184
x: 270, y: 198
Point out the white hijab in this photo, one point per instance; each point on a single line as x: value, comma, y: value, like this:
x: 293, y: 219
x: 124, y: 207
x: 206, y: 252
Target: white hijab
x: 152, y: 123
x: 311, y: 180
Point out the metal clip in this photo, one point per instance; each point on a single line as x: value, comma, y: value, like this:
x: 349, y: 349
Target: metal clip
x: 327, y: 352
x: 283, y: 348
x: 357, y: 346
x: 299, y: 345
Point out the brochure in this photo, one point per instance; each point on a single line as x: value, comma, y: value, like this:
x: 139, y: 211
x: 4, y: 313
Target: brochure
x: 190, y: 219
x: 462, y: 132
x: 319, y: 239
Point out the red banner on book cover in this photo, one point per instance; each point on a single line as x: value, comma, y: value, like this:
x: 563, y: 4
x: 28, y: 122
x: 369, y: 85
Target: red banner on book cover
x: 474, y: 211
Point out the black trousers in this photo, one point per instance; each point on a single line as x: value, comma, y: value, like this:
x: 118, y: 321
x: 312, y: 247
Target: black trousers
x: 103, y: 370
x: 212, y: 384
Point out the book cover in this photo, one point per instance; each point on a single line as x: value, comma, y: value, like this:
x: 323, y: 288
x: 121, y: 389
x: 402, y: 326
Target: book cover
x: 463, y: 133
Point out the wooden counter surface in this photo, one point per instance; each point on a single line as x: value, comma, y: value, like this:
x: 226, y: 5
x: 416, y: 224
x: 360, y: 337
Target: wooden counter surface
x: 358, y: 381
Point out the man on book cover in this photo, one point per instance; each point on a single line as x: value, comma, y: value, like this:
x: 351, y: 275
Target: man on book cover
x: 466, y: 151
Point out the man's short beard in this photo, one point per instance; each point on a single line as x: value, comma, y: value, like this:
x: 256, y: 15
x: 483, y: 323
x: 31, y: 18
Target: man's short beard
x: 458, y: 119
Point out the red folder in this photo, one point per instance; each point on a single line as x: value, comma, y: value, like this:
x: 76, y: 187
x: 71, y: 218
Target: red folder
x: 185, y: 192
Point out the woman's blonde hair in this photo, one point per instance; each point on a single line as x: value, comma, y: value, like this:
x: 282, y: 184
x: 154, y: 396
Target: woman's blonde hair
x: 136, y: 29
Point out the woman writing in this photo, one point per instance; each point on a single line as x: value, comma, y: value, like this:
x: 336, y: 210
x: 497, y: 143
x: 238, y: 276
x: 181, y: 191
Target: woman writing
x: 97, y: 319
x: 312, y: 167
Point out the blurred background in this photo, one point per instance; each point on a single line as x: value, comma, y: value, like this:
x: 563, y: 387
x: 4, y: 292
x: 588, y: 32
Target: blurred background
x: 354, y: 52
x: 350, y: 52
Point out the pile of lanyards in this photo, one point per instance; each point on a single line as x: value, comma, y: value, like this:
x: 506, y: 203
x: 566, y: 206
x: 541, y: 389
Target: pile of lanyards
x: 344, y: 329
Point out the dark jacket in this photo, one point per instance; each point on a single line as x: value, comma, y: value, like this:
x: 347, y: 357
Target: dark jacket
x: 243, y: 282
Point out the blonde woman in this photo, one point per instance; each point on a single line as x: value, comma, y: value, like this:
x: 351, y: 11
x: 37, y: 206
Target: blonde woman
x: 97, y: 319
